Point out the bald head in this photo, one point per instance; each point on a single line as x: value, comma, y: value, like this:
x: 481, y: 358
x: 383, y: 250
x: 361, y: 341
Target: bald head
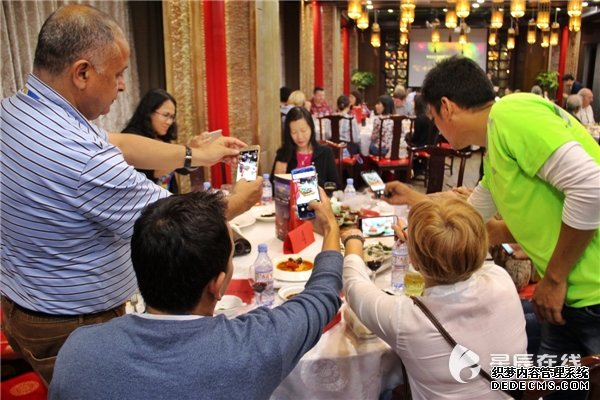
x: 587, y: 97
x: 76, y: 32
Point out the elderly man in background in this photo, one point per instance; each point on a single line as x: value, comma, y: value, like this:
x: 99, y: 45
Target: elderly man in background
x: 586, y: 114
x: 70, y: 193
x: 573, y: 105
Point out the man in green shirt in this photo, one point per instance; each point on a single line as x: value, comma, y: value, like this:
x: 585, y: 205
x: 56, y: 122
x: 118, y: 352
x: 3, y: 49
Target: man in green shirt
x: 542, y: 174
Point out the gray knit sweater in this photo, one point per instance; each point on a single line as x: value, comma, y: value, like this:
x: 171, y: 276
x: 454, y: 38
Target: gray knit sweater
x: 208, y: 358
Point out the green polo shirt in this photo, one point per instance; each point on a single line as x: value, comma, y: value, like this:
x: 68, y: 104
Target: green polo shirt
x: 523, y: 132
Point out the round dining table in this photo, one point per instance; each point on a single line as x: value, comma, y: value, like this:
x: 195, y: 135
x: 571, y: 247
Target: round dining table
x: 342, y: 365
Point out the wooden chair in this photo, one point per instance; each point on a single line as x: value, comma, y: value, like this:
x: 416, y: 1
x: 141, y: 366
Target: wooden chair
x: 394, y: 162
x: 422, y: 157
x: 346, y: 163
x: 338, y: 153
x: 437, y: 163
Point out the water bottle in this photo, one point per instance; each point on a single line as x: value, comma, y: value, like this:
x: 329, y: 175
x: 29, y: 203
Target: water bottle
x: 349, y: 191
x: 267, y: 191
x: 262, y: 278
x: 207, y: 187
x: 400, y: 264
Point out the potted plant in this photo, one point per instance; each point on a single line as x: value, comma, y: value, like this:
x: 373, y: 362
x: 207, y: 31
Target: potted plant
x: 362, y: 80
x: 548, y: 81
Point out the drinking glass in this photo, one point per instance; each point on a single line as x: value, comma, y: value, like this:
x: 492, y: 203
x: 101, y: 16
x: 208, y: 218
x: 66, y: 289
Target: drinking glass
x: 414, y: 284
x: 374, y: 265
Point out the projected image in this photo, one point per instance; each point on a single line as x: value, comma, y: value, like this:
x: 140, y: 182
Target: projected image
x: 424, y: 54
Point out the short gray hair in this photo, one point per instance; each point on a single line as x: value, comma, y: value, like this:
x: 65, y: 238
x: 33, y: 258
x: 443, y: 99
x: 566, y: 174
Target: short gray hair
x: 537, y: 90
x: 72, y: 32
x: 573, y: 103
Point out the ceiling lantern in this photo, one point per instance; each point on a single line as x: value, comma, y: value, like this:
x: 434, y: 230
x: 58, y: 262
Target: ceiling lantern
x: 497, y: 17
x: 375, y: 35
x: 354, y: 9
x: 510, y: 42
x: 462, y: 38
x: 574, y: 8
x: 451, y: 19
x: 463, y: 8
x: 543, y: 15
x: 531, y: 32
x: 435, y: 36
x: 403, y: 25
x: 403, y: 38
x: 363, y: 21
x: 517, y: 8
x: 554, y: 33
x: 545, y: 38
x: 493, y: 38
x: 575, y: 23
x: 407, y: 9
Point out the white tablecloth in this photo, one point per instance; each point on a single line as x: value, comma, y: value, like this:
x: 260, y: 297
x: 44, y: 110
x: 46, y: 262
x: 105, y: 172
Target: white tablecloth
x: 340, y: 366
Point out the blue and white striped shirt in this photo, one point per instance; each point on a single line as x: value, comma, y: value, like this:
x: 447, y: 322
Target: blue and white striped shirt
x: 68, y: 204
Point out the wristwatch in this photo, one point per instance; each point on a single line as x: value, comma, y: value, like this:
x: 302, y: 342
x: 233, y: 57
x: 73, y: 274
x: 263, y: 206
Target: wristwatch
x: 188, y: 157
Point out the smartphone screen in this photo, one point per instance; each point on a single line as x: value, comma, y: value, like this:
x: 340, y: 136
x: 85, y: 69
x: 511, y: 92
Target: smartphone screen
x: 374, y: 181
x: 248, y: 164
x: 378, y: 226
x: 508, y: 248
x: 307, y: 190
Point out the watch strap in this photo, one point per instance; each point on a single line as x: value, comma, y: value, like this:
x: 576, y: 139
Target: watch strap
x: 188, y: 157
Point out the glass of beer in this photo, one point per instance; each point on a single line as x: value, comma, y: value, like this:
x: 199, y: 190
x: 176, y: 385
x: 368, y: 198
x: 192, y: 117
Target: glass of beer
x: 414, y: 284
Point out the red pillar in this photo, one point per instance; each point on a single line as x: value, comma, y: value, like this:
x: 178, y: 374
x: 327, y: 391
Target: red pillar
x: 562, y: 59
x: 216, y: 79
x: 346, y: 56
x: 317, y: 42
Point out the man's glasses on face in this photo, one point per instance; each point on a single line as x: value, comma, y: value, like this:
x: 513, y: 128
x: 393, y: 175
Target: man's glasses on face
x: 167, y: 116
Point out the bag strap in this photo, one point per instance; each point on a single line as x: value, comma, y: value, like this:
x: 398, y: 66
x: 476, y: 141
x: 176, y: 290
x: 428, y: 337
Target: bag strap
x: 450, y: 339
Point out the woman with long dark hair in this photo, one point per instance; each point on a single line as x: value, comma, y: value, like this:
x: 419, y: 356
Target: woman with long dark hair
x: 383, y: 108
x: 154, y: 118
x: 300, y: 148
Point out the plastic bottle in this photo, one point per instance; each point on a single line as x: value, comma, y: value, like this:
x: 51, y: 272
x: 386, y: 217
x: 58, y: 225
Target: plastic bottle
x: 261, y: 278
x: 207, y: 187
x: 267, y: 191
x: 349, y: 191
x: 400, y: 264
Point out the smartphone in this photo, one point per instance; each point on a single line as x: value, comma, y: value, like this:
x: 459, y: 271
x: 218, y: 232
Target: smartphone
x: 374, y: 181
x: 307, y: 190
x: 507, y: 247
x: 247, y: 167
x: 378, y: 226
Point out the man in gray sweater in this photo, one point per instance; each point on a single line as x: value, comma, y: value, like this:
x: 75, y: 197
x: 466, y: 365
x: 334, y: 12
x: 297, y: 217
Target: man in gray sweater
x: 182, y: 256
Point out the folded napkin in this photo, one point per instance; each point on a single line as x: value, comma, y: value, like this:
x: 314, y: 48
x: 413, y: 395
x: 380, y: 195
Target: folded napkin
x: 241, y: 245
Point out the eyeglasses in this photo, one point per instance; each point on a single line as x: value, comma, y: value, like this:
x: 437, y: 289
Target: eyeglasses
x: 166, y: 115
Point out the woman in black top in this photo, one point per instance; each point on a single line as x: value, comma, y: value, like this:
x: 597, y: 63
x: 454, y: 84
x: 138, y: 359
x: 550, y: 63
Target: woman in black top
x: 300, y: 148
x: 154, y: 118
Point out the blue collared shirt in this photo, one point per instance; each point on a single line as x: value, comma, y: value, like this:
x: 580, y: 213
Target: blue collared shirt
x: 68, y: 204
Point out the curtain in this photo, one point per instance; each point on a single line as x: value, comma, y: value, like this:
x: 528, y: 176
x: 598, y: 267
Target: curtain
x: 20, y: 22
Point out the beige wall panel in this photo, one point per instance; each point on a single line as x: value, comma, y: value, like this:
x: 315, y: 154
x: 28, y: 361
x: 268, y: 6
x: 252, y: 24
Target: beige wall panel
x: 266, y: 70
x: 307, y: 61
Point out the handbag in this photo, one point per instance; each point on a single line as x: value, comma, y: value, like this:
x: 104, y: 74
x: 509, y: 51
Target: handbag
x: 402, y: 391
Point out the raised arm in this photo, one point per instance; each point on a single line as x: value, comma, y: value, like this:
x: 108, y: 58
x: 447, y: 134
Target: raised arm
x: 145, y: 153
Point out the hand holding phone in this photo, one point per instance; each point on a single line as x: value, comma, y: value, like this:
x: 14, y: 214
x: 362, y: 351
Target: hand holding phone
x: 247, y: 167
x: 374, y: 181
x: 307, y: 190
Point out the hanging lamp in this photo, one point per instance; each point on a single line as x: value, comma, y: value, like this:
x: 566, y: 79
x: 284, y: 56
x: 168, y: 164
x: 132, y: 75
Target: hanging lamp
x: 543, y: 15
x: 574, y: 8
x: 363, y: 21
x: 451, y: 21
x: 575, y: 23
x: 510, y: 41
x: 463, y: 8
x: 517, y: 8
x: 493, y: 38
x: 375, y: 33
x: 531, y: 32
x: 555, y: 30
x: 354, y: 9
x: 545, y: 38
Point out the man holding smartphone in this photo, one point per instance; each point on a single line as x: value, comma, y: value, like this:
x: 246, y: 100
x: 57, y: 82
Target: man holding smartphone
x: 541, y: 173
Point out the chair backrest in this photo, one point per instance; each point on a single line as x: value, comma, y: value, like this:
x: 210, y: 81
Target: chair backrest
x: 338, y: 153
x: 436, y: 165
x: 397, y: 134
x: 335, y: 124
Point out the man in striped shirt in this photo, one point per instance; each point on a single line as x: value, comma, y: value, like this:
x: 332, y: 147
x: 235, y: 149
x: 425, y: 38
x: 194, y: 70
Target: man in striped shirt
x: 69, y: 191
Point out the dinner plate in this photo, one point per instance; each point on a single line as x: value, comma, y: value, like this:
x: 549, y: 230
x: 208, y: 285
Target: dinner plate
x: 291, y: 276
x: 227, y: 304
x: 264, y: 213
x: 243, y: 220
x: 287, y: 292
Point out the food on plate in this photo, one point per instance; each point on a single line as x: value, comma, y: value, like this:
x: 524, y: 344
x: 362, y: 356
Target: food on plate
x: 377, y: 252
x: 295, y: 265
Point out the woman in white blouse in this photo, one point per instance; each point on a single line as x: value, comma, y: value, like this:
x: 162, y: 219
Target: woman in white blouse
x: 477, y: 303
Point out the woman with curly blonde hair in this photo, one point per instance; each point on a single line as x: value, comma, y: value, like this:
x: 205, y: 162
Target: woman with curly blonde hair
x: 476, y: 302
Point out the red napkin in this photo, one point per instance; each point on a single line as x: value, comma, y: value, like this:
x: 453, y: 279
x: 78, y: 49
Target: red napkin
x: 298, y: 238
x: 527, y: 292
x: 242, y: 289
